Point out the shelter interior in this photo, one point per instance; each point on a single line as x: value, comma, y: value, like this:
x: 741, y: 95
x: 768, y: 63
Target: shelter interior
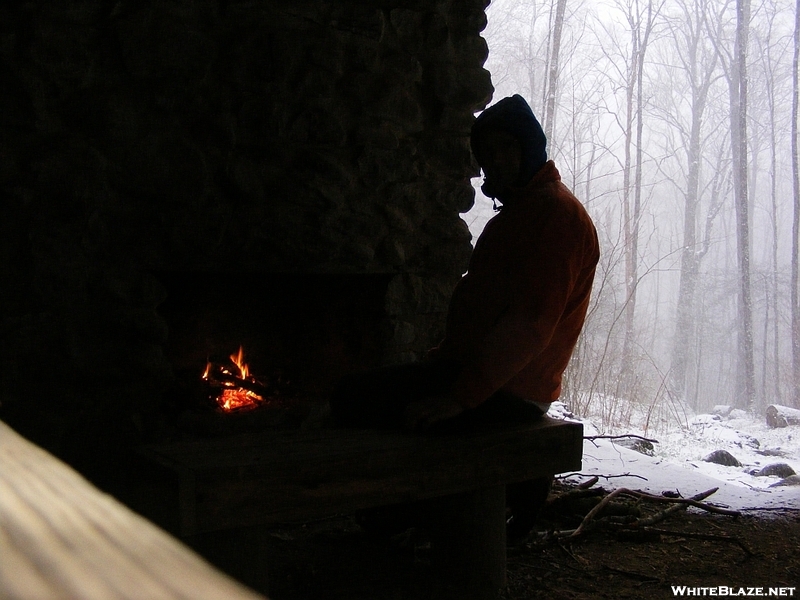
x: 181, y: 178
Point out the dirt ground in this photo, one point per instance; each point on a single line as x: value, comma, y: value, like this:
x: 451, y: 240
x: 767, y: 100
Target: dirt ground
x: 605, y: 566
x: 336, y: 559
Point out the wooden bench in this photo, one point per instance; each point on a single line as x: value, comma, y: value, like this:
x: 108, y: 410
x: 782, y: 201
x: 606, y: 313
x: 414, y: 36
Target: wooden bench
x: 290, y: 476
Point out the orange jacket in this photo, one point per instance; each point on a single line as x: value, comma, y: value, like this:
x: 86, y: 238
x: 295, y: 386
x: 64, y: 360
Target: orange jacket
x: 515, y: 317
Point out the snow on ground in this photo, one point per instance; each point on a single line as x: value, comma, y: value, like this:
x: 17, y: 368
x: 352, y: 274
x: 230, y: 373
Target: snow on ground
x: 677, y: 462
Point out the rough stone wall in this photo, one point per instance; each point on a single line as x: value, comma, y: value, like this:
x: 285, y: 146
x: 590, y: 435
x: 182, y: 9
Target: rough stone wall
x: 244, y: 137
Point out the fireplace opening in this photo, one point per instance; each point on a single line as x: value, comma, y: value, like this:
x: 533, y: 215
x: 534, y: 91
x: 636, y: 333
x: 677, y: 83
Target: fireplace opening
x: 298, y: 334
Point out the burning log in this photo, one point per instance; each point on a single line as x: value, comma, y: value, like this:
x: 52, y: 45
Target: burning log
x: 219, y: 376
x: 238, y: 391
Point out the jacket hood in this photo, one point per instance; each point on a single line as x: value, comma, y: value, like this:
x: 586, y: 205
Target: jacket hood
x: 513, y: 115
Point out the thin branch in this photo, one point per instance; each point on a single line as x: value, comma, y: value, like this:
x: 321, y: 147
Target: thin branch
x: 588, y: 520
x: 701, y: 536
x: 661, y: 515
x: 617, y: 437
x: 603, y: 476
x: 688, y: 501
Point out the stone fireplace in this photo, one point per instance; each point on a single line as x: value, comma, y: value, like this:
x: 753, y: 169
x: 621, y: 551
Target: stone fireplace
x: 182, y: 177
x: 299, y: 332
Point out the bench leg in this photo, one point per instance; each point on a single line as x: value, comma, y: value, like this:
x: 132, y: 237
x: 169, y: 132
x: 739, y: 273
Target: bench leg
x: 469, y: 543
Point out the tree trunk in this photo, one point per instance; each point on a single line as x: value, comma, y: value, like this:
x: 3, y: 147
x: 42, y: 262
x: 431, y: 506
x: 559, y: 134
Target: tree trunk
x: 630, y: 226
x: 795, y: 282
x: 773, y: 290
x: 632, y: 190
x: 699, y: 75
x: 700, y: 67
x: 685, y: 321
x: 745, y: 397
x: 552, y: 77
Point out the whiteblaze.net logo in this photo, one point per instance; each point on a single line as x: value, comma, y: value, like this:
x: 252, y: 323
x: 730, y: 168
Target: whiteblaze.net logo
x: 723, y: 590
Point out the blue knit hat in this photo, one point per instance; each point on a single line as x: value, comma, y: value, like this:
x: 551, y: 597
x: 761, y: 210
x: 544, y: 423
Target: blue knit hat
x: 513, y: 116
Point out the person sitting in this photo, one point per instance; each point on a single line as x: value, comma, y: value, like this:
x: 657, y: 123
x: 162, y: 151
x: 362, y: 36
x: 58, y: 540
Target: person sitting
x: 514, y: 317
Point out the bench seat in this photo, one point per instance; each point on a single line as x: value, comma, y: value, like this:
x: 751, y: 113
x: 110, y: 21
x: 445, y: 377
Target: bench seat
x: 290, y: 476
x: 286, y: 476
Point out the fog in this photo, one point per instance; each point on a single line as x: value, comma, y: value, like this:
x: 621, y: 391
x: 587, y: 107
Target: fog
x: 638, y: 98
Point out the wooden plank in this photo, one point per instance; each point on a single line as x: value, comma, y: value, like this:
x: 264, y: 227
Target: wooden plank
x: 60, y: 537
x: 286, y: 476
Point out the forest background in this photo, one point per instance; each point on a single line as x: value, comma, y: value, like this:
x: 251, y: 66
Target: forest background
x: 675, y: 122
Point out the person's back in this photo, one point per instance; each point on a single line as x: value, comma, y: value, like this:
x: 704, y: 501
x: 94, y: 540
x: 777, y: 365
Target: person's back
x: 516, y: 315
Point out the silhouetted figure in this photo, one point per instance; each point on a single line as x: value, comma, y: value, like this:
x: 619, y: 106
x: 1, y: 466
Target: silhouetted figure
x: 514, y: 318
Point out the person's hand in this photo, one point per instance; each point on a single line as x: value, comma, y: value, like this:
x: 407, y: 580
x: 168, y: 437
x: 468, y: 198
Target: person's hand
x: 424, y: 413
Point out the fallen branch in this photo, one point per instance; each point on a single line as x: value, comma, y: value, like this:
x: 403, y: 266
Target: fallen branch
x: 679, y: 502
x: 660, y: 516
x: 619, y: 437
x: 690, y: 501
x: 603, y: 476
x: 574, y: 494
x: 587, y: 520
x: 588, y: 483
x: 776, y: 508
x: 701, y: 536
x: 633, y: 574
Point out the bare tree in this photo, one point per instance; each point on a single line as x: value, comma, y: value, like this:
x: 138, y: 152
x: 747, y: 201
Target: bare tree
x: 698, y: 66
x: 551, y: 89
x: 518, y: 34
x: 640, y: 21
x: 795, y: 283
x: 739, y: 147
x: 735, y: 68
x: 771, y: 67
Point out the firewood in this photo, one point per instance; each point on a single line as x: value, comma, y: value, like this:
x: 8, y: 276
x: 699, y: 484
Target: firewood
x: 589, y: 520
x: 218, y: 376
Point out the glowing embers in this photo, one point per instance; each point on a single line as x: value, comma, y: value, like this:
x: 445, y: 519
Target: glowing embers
x: 234, y: 387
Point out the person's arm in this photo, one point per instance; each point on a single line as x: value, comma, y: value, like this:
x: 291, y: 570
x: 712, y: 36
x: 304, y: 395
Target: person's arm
x: 512, y: 343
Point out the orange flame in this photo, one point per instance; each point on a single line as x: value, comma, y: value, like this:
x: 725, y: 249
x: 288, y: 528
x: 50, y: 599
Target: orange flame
x: 238, y: 360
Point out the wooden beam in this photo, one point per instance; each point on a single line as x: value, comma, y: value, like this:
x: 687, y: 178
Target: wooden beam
x: 60, y: 537
x: 273, y: 477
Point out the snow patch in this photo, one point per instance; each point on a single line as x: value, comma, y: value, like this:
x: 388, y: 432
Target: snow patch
x: 677, y: 463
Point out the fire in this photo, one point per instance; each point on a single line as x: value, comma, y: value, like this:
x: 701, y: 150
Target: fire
x: 239, y: 390
x: 233, y: 399
x: 238, y: 360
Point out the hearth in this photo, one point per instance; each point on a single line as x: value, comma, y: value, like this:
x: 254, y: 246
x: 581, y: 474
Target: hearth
x: 292, y: 335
